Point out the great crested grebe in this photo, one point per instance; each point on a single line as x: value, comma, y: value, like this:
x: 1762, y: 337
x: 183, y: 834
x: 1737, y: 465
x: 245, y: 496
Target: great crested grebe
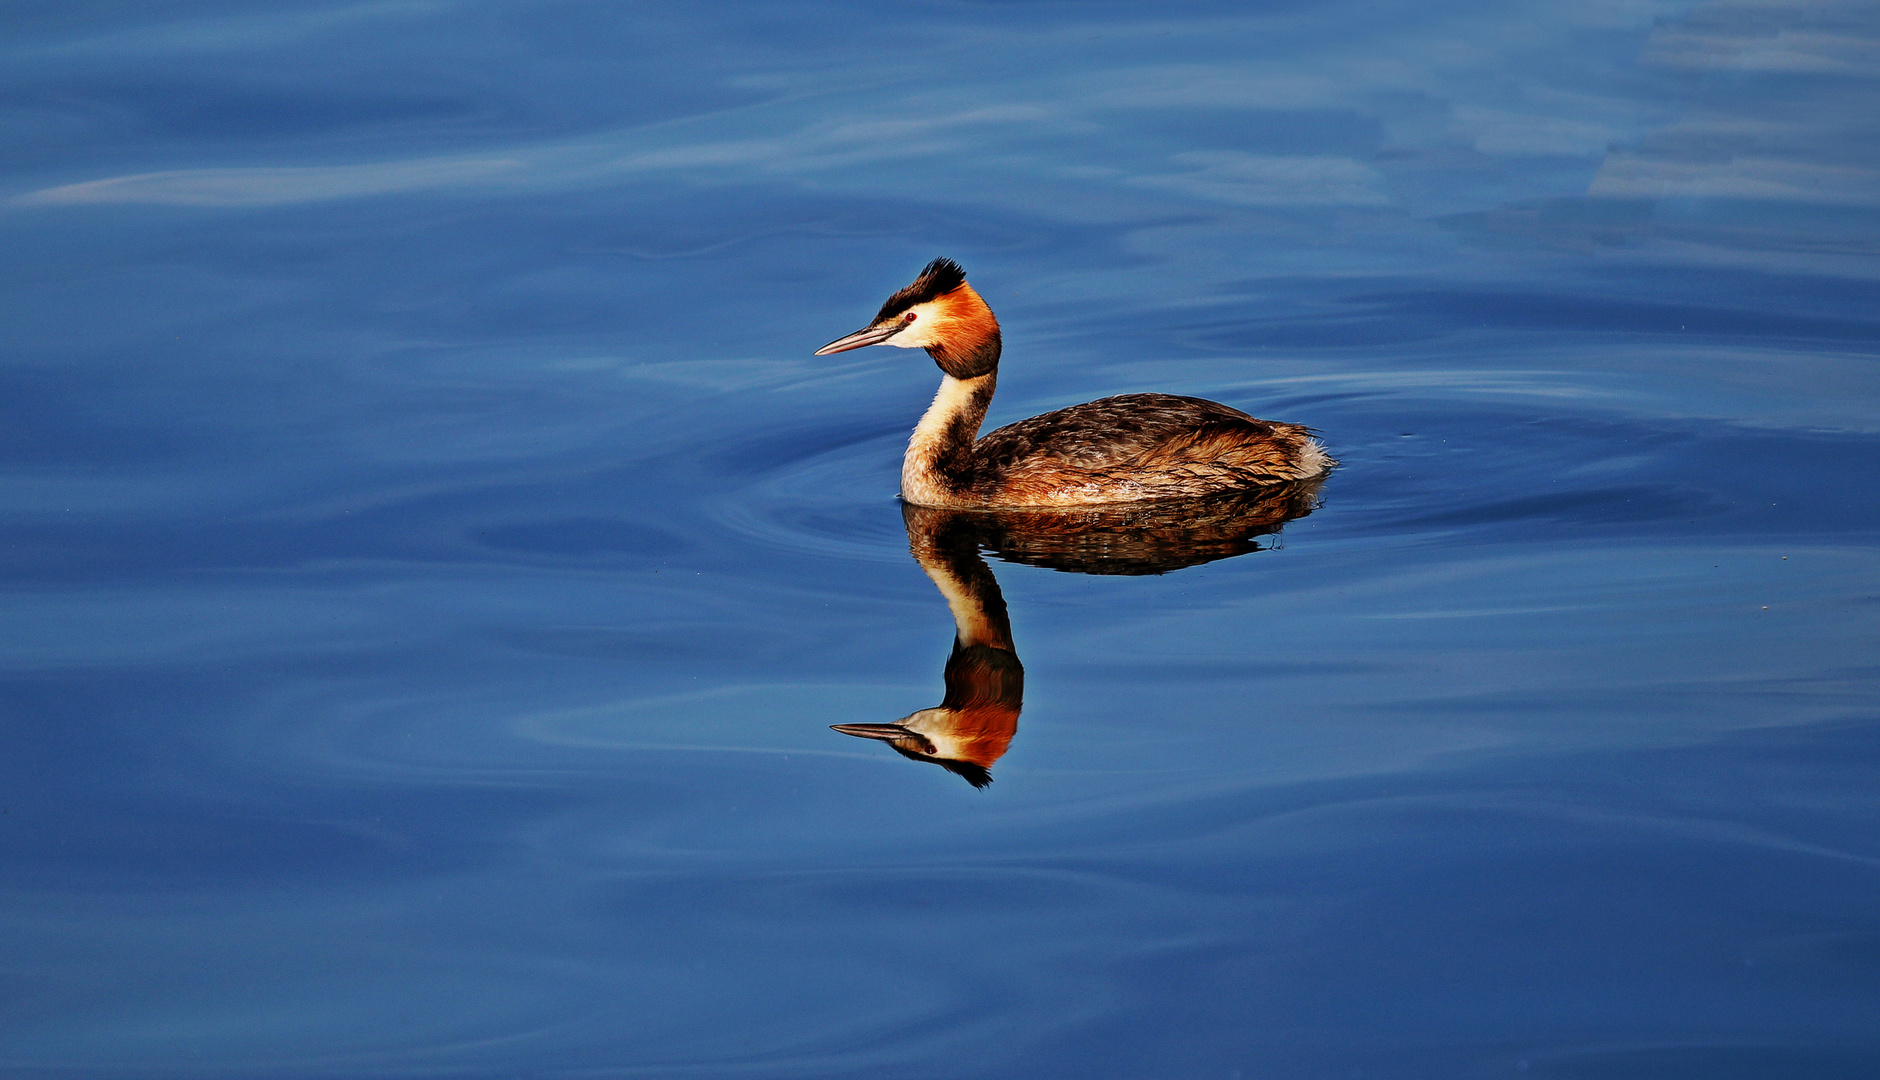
x: 1117, y: 449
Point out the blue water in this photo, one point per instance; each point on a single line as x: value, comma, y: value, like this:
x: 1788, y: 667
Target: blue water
x: 433, y: 558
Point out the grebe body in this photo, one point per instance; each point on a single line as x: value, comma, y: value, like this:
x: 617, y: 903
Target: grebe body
x: 1129, y: 448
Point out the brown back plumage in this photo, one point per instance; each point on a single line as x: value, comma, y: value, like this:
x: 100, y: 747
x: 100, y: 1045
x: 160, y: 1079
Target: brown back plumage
x: 1146, y: 446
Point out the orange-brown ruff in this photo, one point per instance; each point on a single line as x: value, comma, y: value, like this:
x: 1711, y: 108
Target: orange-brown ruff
x: 1118, y: 449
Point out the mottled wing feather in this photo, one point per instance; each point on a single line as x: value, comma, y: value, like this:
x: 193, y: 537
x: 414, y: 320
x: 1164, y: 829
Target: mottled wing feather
x: 1135, y: 446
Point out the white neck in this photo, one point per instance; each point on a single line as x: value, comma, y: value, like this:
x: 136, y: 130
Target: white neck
x: 972, y: 625
x: 949, y: 427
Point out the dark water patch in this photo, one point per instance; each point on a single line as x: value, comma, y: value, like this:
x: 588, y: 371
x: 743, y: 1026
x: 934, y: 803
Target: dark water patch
x: 1723, y: 1059
x: 980, y: 896
x: 384, y: 79
x: 1331, y: 329
x: 143, y: 846
x: 779, y: 447
x: 1246, y: 669
x: 1448, y: 465
x: 866, y: 524
x: 46, y: 422
x: 464, y: 522
x: 579, y: 537
x: 883, y: 896
x: 1585, y: 507
x: 1261, y: 131
x: 1539, y: 311
x: 1575, y: 224
x: 756, y: 239
x: 1754, y: 290
x: 169, y: 105
x: 1407, y: 318
x: 1564, y: 845
x: 641, y: 645
x: 1588, y: 225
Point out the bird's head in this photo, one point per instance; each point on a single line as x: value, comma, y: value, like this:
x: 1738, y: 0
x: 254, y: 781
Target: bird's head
x: 938, y: 312
x: 964, y: 742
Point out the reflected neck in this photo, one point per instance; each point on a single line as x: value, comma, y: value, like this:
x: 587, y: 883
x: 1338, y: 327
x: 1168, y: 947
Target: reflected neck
x: 953, y: 563
x: 940, y: 453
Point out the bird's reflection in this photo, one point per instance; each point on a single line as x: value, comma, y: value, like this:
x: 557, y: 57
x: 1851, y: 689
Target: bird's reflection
x: 985, y: 684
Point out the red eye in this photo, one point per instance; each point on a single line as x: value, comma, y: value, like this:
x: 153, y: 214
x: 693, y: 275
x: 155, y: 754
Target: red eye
x: 910, y: 317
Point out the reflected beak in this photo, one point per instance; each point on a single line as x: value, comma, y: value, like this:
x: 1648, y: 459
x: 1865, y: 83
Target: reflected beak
x: 867, y: 335
x: 886, y: 732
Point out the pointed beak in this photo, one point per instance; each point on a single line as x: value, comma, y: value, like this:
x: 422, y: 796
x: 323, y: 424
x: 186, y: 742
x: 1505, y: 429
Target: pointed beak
x: 867, y: 335
x: 885, y: 732
x: 898, y: 734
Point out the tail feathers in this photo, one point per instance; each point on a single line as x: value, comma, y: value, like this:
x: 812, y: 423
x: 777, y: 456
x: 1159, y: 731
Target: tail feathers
x: 1312, y: 460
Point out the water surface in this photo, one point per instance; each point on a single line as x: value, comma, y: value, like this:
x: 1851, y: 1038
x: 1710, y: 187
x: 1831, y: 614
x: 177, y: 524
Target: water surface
x: 434, y: 560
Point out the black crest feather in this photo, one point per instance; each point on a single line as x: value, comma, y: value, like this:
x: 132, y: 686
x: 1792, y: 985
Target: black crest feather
x: 971, y: 772
x: 977, y: 775
x: 940, y: 277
